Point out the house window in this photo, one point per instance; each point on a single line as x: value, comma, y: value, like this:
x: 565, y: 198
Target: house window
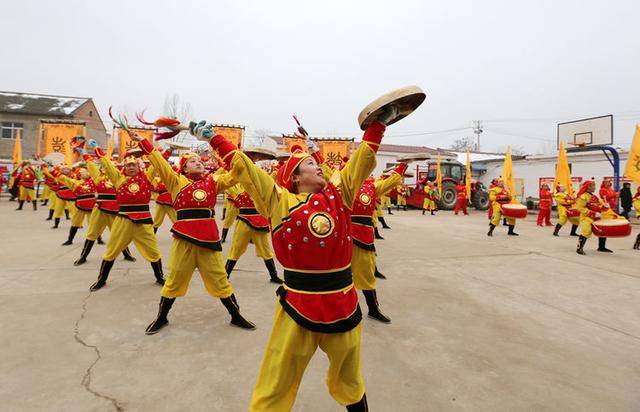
x: 90, y: 113
x: 8, y: 129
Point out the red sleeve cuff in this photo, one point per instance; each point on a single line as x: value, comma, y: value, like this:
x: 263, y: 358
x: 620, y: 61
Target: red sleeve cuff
x: 99, y: 152
x: 166, y: 154
x: 318, y: 157
x: 87, y: 157
x: 373, y: 135
x: 401, y: 168
x: 224, y: 148
x: 146, y: 146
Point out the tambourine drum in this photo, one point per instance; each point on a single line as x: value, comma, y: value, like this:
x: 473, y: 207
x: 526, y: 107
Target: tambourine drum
x: 259, y: 153
x: 406, y: 99
x: 571, y: 212
x: 612, y: 228
x: 55, y: 158
x: 414, y: 157
x: 514, y: 211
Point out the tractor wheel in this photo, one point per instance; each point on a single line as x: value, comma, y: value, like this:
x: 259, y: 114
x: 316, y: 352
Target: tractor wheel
x: 449, y: 196
x: 481, y: 200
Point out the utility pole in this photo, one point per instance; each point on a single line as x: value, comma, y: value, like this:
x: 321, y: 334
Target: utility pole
x: 477, y: 130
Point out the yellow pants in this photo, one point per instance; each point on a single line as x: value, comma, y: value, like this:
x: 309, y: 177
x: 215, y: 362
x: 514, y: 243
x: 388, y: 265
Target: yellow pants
x: 401, y: 201
x: 563, y: 217
x: 187, y: 257
x: 363, y: 266
x: 230, y: 216
x: 79, y: 216
x: 98, y: 222
x: 241, y: 236
x: 385, y: 201
x: 162, y: 211
x: 124, y: 231
x: 497, y: 216
x: 290, y: 349
x: 26, y: 193
x: 60, y: 207
x: 45, y: 192
x: 428, y: 204
x: 53, y: 198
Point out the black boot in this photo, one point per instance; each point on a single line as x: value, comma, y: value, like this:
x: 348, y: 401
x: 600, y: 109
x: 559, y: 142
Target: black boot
x: 44, y: 202
x: 224, y: 234
x: 66, y: 214
x: 234, y: 310
x: 56, y: 222
x: 50, y: 214
x: 127, y: 255
x: 35, y: 204
x: 20, y: 204
x: 377, y: 233
x: 511, y: 232
x: 602, y: 241
x: 103, y: 275
x: 86, y: 249
x: 72, y: 233
x: 378, y: 274
x: 636, y: 245
x: 404, y: 207
x: 581, y: 242
x: 432, y: 213
x: 423, y: 210
x: 273, y: 273
x: 574, y: 229
x: 557, y: 230
x: 100, y: 241
x: 491, y: 227
x: 224, y: 212
x: 384, y: 224
x: 389, y: 210
x: 374, y: 309
x: 155, y: 230
x: 228, y: 267
x: 504, y: 222
x: 360, y: 406
x: 157, y: 271
x: 161, y: 320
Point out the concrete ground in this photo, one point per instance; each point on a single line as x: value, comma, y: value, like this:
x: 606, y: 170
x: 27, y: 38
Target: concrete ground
x: 492, y: 324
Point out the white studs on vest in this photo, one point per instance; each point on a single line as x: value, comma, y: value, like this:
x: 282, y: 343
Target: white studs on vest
x: 298, y: 223
x: 290, y: 246
x: 322, y: 243
x: 305, y: 239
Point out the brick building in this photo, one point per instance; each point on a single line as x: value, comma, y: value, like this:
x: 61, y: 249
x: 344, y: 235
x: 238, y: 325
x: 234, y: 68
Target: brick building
x: 23, y: 111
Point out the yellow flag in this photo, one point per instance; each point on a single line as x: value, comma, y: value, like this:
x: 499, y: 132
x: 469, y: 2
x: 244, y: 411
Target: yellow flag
x: 467, y: 179
x: 110, y: 146
x: 439, y: 179
x: 17, y: 150
x: 632, y: 170
x: 67, y: 153
x: 507, y: 174
x: 563, y: 174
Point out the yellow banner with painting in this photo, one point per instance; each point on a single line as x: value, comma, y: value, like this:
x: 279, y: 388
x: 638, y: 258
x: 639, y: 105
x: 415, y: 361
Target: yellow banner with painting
x: 233, y: 133
x: 125, y: 143
x: 56, y: 135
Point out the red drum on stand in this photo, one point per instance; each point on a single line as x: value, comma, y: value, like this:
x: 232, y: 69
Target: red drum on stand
x: 514, y: 211
x: 612, y: 228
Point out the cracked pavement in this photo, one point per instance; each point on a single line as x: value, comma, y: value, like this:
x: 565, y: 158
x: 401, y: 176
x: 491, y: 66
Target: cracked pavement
x: 478, y: 323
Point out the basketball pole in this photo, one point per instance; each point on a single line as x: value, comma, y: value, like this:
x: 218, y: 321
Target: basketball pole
x: 613, y: 158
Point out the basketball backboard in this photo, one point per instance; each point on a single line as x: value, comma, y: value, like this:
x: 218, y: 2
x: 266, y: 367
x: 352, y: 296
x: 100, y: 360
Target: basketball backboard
x: 595, y: 131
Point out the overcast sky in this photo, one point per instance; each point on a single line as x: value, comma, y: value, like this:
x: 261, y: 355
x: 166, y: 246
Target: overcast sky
x: 257, y: 62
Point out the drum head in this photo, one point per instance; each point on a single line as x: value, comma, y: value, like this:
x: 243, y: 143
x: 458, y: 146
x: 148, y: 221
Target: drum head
x: 178, y: 146
x: 259, y: 153
x: 413, y: 157
x: 54, y: 158
x: 407, y: 99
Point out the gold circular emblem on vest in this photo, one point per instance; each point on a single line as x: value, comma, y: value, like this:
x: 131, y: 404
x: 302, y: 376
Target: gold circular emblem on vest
x: 199, y: 195
x: 365, y: 199
x: 108, y: 184
x: 321, y: 224
x: 134, y: 188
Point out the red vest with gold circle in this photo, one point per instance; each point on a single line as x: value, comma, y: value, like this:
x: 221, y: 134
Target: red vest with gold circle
x: 107, y: 197
x: 164, y: 197
x: 85, y: 195
x: 134, y: 196
x: 64, y: 192
x: 314, y: 245
x: 362, y: 216
x: 52, y: 184
x: 27, y: 178
x: 247, y: 213
x: 194, y: 207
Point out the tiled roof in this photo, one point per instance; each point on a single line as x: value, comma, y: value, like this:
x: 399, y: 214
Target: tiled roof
x: 40, y: 104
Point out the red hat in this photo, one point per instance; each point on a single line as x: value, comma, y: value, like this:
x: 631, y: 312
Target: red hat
x: 185, y: 157
x: 286, y: 171
x: 583, y: 187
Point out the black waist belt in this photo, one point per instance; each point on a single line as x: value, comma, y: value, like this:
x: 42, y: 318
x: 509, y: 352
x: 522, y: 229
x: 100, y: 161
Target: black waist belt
x: 318, y: 282
x: 87, y: 196
x: 134, y: 208
x: 362, y: 220
x: 106, y: 196
x: 248, y: 211
x: 195, y: 214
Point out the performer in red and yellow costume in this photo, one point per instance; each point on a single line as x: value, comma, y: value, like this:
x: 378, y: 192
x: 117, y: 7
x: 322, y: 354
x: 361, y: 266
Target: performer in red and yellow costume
x: 65, y: 196
x: 461, y: 202
x: 196, y: 242
x: 52, y: 185
x: 565, y: 202
x: 133, y: 223
x: 250, y: 226
x: 636, y: 205
x: 590, y: 206
x: 499, y: 196
x: 26, y: 185
x: 494, y: 183
x: 401, y: 198
x: 230, y: 213
x: 608, y: 195
x: 164, y: 203
x: 431, y: 194
x: 311, y: 233
x: 544, y: 207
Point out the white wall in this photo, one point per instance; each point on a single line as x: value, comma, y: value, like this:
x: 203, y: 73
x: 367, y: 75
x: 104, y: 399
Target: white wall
x: 585, y: 165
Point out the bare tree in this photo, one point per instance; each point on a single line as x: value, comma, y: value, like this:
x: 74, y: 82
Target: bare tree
x: 260, y: 135
x: 174, y: 107
x: 462, y: 144
x: 515, y: 150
